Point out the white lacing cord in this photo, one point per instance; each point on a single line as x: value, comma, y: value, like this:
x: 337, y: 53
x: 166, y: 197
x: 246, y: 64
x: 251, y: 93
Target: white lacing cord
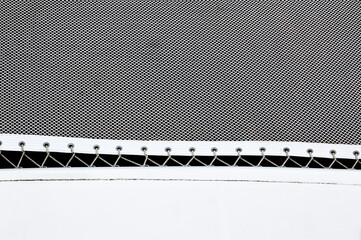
x: 96, y: 148
x: 214, y: 150
x: 146, y: 158
x: 310, y: 151
x: 168, y: 150
x: 46, y: 145
x: 264, y: 158
x: 171, y: 158
x: 23, y: 155
x: 71, y: 146
x: 6, y: 159
x: 288, y: 158
x: 239, y: 150
x: 356, y: 153
x: 192, y: 150
x: 120, y: 157
x: 333, y: 152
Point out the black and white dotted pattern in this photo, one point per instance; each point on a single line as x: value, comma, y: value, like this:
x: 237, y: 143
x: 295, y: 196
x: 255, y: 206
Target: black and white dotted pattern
x: 182, y: 70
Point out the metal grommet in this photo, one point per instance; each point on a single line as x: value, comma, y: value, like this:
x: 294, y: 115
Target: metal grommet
x: 192, y: 149
x: 144, y: 148
x: 238, y: 149
x: 46, y: 144
x: 214, y: 149
x: 21, y: 144
x: 309, y: 150
x: 118, y: 148
x: 96, y: 147
x: 356, y: 153
x: 70, y: 145
x: 168, y: 149
x: 286, y: 149
x: 262, y: 149
x: 333, y: 151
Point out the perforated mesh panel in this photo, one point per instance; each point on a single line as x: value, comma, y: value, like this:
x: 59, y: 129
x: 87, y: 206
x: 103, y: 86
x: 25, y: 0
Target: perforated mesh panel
x: 182, y: 70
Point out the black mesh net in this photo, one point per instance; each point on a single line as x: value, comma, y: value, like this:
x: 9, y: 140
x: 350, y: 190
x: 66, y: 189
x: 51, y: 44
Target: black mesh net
x: 182, y: 70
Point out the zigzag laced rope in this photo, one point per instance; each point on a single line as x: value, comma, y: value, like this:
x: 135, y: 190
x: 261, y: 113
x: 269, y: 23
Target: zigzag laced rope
x: 71, y: 146
x: 170, y: 160
x: 25, y: 156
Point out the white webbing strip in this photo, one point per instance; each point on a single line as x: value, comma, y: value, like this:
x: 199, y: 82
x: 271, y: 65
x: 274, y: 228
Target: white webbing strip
x: 11, y: 142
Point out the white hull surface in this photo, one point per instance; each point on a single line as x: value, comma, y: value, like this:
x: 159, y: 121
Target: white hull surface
x: 180, y: 203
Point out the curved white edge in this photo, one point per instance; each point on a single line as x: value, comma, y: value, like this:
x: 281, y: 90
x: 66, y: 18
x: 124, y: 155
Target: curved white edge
x: 10, y: 142
x: 264, y: 174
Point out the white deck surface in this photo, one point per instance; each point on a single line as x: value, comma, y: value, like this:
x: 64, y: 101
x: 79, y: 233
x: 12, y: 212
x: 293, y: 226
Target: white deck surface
x: 180, y: 203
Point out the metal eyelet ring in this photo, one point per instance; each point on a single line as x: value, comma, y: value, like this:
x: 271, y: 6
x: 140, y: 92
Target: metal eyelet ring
x: 286, y: 149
